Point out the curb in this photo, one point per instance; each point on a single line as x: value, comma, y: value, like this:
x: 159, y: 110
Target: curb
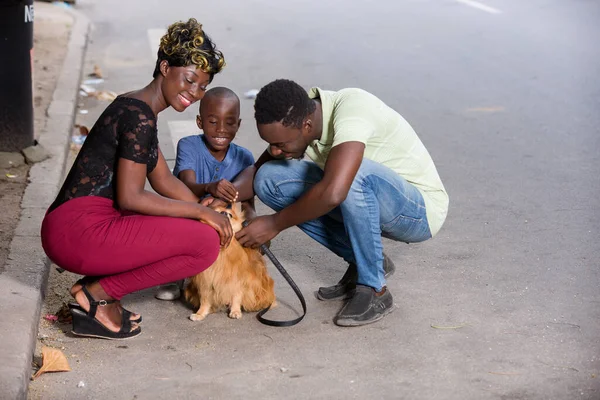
x: 23, y: 283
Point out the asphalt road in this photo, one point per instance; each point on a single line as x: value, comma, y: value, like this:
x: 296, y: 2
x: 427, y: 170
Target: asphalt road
x: 506, y: 97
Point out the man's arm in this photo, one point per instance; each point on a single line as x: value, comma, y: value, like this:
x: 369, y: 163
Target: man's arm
x: 340, y: 170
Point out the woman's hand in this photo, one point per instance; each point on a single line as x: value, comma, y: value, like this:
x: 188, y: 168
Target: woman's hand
x: 223, y: 189
x: 207, y: 201
x: 213, y: 203
x: 220, y: 223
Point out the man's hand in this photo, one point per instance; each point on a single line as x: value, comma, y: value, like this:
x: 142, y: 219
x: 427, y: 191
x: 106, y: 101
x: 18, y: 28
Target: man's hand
x: 260, y: 230
x: 223, y: 189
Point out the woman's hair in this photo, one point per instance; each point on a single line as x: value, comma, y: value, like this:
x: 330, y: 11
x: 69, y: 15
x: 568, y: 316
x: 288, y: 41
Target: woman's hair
x: 282, y: 101
x: 185, y: 43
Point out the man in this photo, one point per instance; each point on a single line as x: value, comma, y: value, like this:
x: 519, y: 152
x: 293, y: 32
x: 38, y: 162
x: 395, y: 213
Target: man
x: 370, y: 176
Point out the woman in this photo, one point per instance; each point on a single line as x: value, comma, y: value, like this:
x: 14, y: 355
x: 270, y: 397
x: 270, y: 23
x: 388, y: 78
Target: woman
x: 106, y: 226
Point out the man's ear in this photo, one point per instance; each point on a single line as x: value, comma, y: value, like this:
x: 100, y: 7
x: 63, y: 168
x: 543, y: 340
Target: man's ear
x: 239, y: 123
x: 164, y: 67
x: 199, y: 121
x: 307, y: 125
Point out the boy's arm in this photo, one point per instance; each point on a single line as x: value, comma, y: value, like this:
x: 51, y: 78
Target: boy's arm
x: 243, y: 184
x: 222, y: 189
x: 244, y: 181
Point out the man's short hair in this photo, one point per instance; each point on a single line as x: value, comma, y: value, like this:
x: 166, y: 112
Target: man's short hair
x: 283, y: 101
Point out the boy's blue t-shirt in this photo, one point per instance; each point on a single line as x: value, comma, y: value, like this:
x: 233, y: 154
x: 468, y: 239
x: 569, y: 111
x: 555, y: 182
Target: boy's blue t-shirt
x: 193, y: 154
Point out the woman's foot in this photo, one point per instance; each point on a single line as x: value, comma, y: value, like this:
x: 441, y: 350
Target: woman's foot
x: 108, y: 315
x: 79, y: 285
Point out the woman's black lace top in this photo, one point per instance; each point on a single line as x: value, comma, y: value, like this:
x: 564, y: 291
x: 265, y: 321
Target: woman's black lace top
x: 126, y: 129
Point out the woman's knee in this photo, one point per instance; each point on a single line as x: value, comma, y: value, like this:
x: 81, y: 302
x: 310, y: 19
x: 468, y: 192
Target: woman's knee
x: 194, y: 239
x: 209, y: 247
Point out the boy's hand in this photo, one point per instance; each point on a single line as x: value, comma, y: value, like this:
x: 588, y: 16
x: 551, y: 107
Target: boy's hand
x: 223, y: 189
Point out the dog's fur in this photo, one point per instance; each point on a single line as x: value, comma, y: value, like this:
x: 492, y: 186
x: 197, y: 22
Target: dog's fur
x: 238, y: 279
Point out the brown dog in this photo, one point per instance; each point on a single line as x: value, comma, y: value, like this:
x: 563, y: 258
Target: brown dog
x: 238, y: 279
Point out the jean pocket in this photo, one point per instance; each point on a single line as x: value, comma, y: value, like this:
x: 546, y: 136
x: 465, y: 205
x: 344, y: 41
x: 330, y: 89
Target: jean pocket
x: 407, y: 229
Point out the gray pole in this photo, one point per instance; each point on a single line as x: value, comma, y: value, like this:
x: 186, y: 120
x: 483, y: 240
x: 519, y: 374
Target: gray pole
x: 16, y: 67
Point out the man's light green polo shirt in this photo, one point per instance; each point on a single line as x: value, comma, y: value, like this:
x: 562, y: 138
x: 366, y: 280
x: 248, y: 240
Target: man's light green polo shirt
x: 354, y: 115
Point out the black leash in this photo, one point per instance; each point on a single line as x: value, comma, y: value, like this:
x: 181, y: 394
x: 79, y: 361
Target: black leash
x: 289, y: 279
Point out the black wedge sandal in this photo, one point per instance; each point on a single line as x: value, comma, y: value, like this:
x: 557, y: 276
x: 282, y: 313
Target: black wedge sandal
x: 90, y: 279
x: 76, y: 306
x: 86, y: 324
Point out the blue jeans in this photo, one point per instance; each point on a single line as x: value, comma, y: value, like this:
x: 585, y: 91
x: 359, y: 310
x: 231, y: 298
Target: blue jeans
x: 379, y: 203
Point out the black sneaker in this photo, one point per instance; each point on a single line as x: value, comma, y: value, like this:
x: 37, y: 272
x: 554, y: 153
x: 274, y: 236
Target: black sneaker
x: 343, y: 289
x: 365, y: 307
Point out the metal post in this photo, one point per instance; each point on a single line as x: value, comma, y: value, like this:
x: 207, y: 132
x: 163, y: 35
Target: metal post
x: 16, y: 68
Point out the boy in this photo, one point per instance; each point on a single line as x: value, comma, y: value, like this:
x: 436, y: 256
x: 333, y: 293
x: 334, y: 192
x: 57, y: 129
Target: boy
x: 207, y: 163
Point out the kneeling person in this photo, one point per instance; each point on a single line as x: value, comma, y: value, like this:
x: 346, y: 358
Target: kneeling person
x: 369, y: 176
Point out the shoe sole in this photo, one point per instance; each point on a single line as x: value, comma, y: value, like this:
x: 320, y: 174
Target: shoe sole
x: 170, y: 292
x: 345, y: 296
x: 84, y: 325
x: 351, y: 322
x: 103, y: 337
x: 164, y: 298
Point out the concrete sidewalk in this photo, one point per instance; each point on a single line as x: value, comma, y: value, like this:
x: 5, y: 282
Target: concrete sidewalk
x: 23, y: 280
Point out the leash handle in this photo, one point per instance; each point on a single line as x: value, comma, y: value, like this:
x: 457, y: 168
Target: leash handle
x: 291, y: 282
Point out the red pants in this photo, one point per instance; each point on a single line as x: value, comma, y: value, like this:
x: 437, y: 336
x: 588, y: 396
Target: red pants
x: 88, y: 236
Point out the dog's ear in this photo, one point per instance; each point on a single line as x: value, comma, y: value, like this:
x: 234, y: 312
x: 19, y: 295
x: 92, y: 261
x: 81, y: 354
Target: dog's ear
x: 237, y: 209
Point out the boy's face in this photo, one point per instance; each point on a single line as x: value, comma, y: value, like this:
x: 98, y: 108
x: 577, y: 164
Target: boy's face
x: 220, y: 120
